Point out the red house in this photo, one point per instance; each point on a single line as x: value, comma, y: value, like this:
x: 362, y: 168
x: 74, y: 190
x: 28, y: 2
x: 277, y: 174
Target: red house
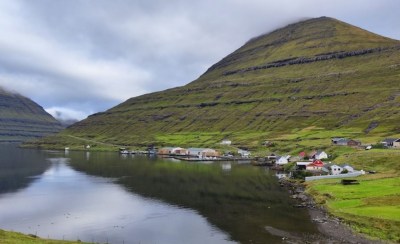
x: 317, y: 165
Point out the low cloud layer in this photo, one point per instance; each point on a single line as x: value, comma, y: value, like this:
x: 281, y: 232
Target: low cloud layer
x: 81, y: 57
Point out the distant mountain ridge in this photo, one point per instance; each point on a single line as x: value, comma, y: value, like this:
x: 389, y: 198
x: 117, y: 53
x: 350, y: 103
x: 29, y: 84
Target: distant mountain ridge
x: 22, y: 119
x: 319, y: 73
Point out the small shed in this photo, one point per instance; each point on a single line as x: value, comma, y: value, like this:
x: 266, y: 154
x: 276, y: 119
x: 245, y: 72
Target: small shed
x: 388, y: 142
x: 353, y: 143
x: 342, y: 142
x: 336, y: 140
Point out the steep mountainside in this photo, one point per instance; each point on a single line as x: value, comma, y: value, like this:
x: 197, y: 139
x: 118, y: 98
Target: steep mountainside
x: 22, y: 119
x: 319, y: 73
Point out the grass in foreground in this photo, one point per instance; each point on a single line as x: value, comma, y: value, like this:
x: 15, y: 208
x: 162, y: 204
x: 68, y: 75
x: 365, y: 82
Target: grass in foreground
x: 9, y: 237
x: 372, y: 207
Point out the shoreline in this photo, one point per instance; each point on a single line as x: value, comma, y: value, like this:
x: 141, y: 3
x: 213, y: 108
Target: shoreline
x: 332, y: 229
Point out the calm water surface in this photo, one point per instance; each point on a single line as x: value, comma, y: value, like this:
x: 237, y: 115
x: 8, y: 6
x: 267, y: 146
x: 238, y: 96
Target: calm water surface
x: 104, y: 197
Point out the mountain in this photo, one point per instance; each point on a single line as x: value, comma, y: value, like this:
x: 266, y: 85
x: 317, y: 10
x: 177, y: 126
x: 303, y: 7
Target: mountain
x: 22, y: 119
x: 313, y: 79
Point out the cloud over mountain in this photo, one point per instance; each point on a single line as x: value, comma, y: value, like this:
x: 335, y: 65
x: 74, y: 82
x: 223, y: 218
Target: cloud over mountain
x: 84, y: 56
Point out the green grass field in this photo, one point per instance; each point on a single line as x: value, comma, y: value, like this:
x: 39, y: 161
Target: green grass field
x: 9, y: 237
x: 371, y: 207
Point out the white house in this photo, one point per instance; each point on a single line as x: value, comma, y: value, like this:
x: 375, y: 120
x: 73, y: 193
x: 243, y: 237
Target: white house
x: 179, y: 151
x: 335, y: 169
x: 202, y: 152
x: 348, y: 168
x: 226, y: 142
x: 282, y: 160
x: 321, y: 155
x: 244, y: 153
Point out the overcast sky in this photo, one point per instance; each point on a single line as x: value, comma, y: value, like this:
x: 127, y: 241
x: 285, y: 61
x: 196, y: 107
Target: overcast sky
x: 78, y: 57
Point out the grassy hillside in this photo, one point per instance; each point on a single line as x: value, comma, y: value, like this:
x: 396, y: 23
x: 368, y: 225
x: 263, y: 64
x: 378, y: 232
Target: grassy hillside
x: 321, y: 74
x: 22, y: 119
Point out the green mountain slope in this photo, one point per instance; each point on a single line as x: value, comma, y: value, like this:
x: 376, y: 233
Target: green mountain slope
x: 319, y: 75
x: 22, y: 119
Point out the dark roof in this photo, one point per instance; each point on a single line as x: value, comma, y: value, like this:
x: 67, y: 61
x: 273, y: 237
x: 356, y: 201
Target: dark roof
x: 390, y: 140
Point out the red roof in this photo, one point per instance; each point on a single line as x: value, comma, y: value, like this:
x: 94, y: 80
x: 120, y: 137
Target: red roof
x: 316, y: 163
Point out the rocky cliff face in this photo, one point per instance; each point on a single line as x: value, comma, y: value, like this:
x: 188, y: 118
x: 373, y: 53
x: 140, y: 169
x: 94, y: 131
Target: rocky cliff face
x: 22, y: 119
x: 320, y: 73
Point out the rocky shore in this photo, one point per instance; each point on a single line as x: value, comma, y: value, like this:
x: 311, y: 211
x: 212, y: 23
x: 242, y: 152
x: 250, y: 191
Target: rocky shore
x: 332, y: 230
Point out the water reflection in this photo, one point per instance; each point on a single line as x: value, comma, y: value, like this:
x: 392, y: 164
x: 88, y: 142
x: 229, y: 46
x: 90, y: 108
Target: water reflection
x: 18, y: 168
x: 239, y: 199
x: 151, y: 200
x: 66, y: 204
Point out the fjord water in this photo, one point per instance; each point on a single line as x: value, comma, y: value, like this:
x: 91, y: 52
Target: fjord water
x: 108, y: 198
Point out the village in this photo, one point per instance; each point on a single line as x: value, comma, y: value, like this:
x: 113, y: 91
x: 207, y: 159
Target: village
x: 313, y: 165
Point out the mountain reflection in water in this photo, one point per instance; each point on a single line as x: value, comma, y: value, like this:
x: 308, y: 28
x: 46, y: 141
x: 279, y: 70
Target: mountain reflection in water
x: 105, y: 197
x: 238, y: 199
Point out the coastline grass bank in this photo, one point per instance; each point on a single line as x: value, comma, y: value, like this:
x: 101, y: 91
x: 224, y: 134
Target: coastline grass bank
x: 10, y: 237
x: 371, y: 207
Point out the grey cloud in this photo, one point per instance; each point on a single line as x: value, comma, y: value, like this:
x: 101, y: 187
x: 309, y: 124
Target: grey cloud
x: 86, y: 56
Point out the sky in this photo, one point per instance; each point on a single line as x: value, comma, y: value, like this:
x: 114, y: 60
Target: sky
x: 79, y: 57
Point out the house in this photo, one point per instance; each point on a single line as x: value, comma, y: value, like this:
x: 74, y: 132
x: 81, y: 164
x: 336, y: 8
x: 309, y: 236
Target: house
x: 396, y: 143
x: 332, y: 169
x: 282, y: 160
x: 317, y: 165
x: 336, y: 170
x: 202, y: 152
x: 320, y: 155
x: 179, y: 151
x: 353, y: 143
x: 226, y: 142
x: 244, y: 153
x: 337, y: 140
x: 341, y: 141
x: 348, y: 168
x: 302, y: 165
x: 195, y: 152
x: 210, y: 153
x: 312, y: 154
x: 302, y: 154
x: 165, y: 150
x: 388, y: 142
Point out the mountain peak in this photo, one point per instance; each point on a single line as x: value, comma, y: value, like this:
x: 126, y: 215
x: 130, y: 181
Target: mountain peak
x: 306, y: 38
x: 318, y: 73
